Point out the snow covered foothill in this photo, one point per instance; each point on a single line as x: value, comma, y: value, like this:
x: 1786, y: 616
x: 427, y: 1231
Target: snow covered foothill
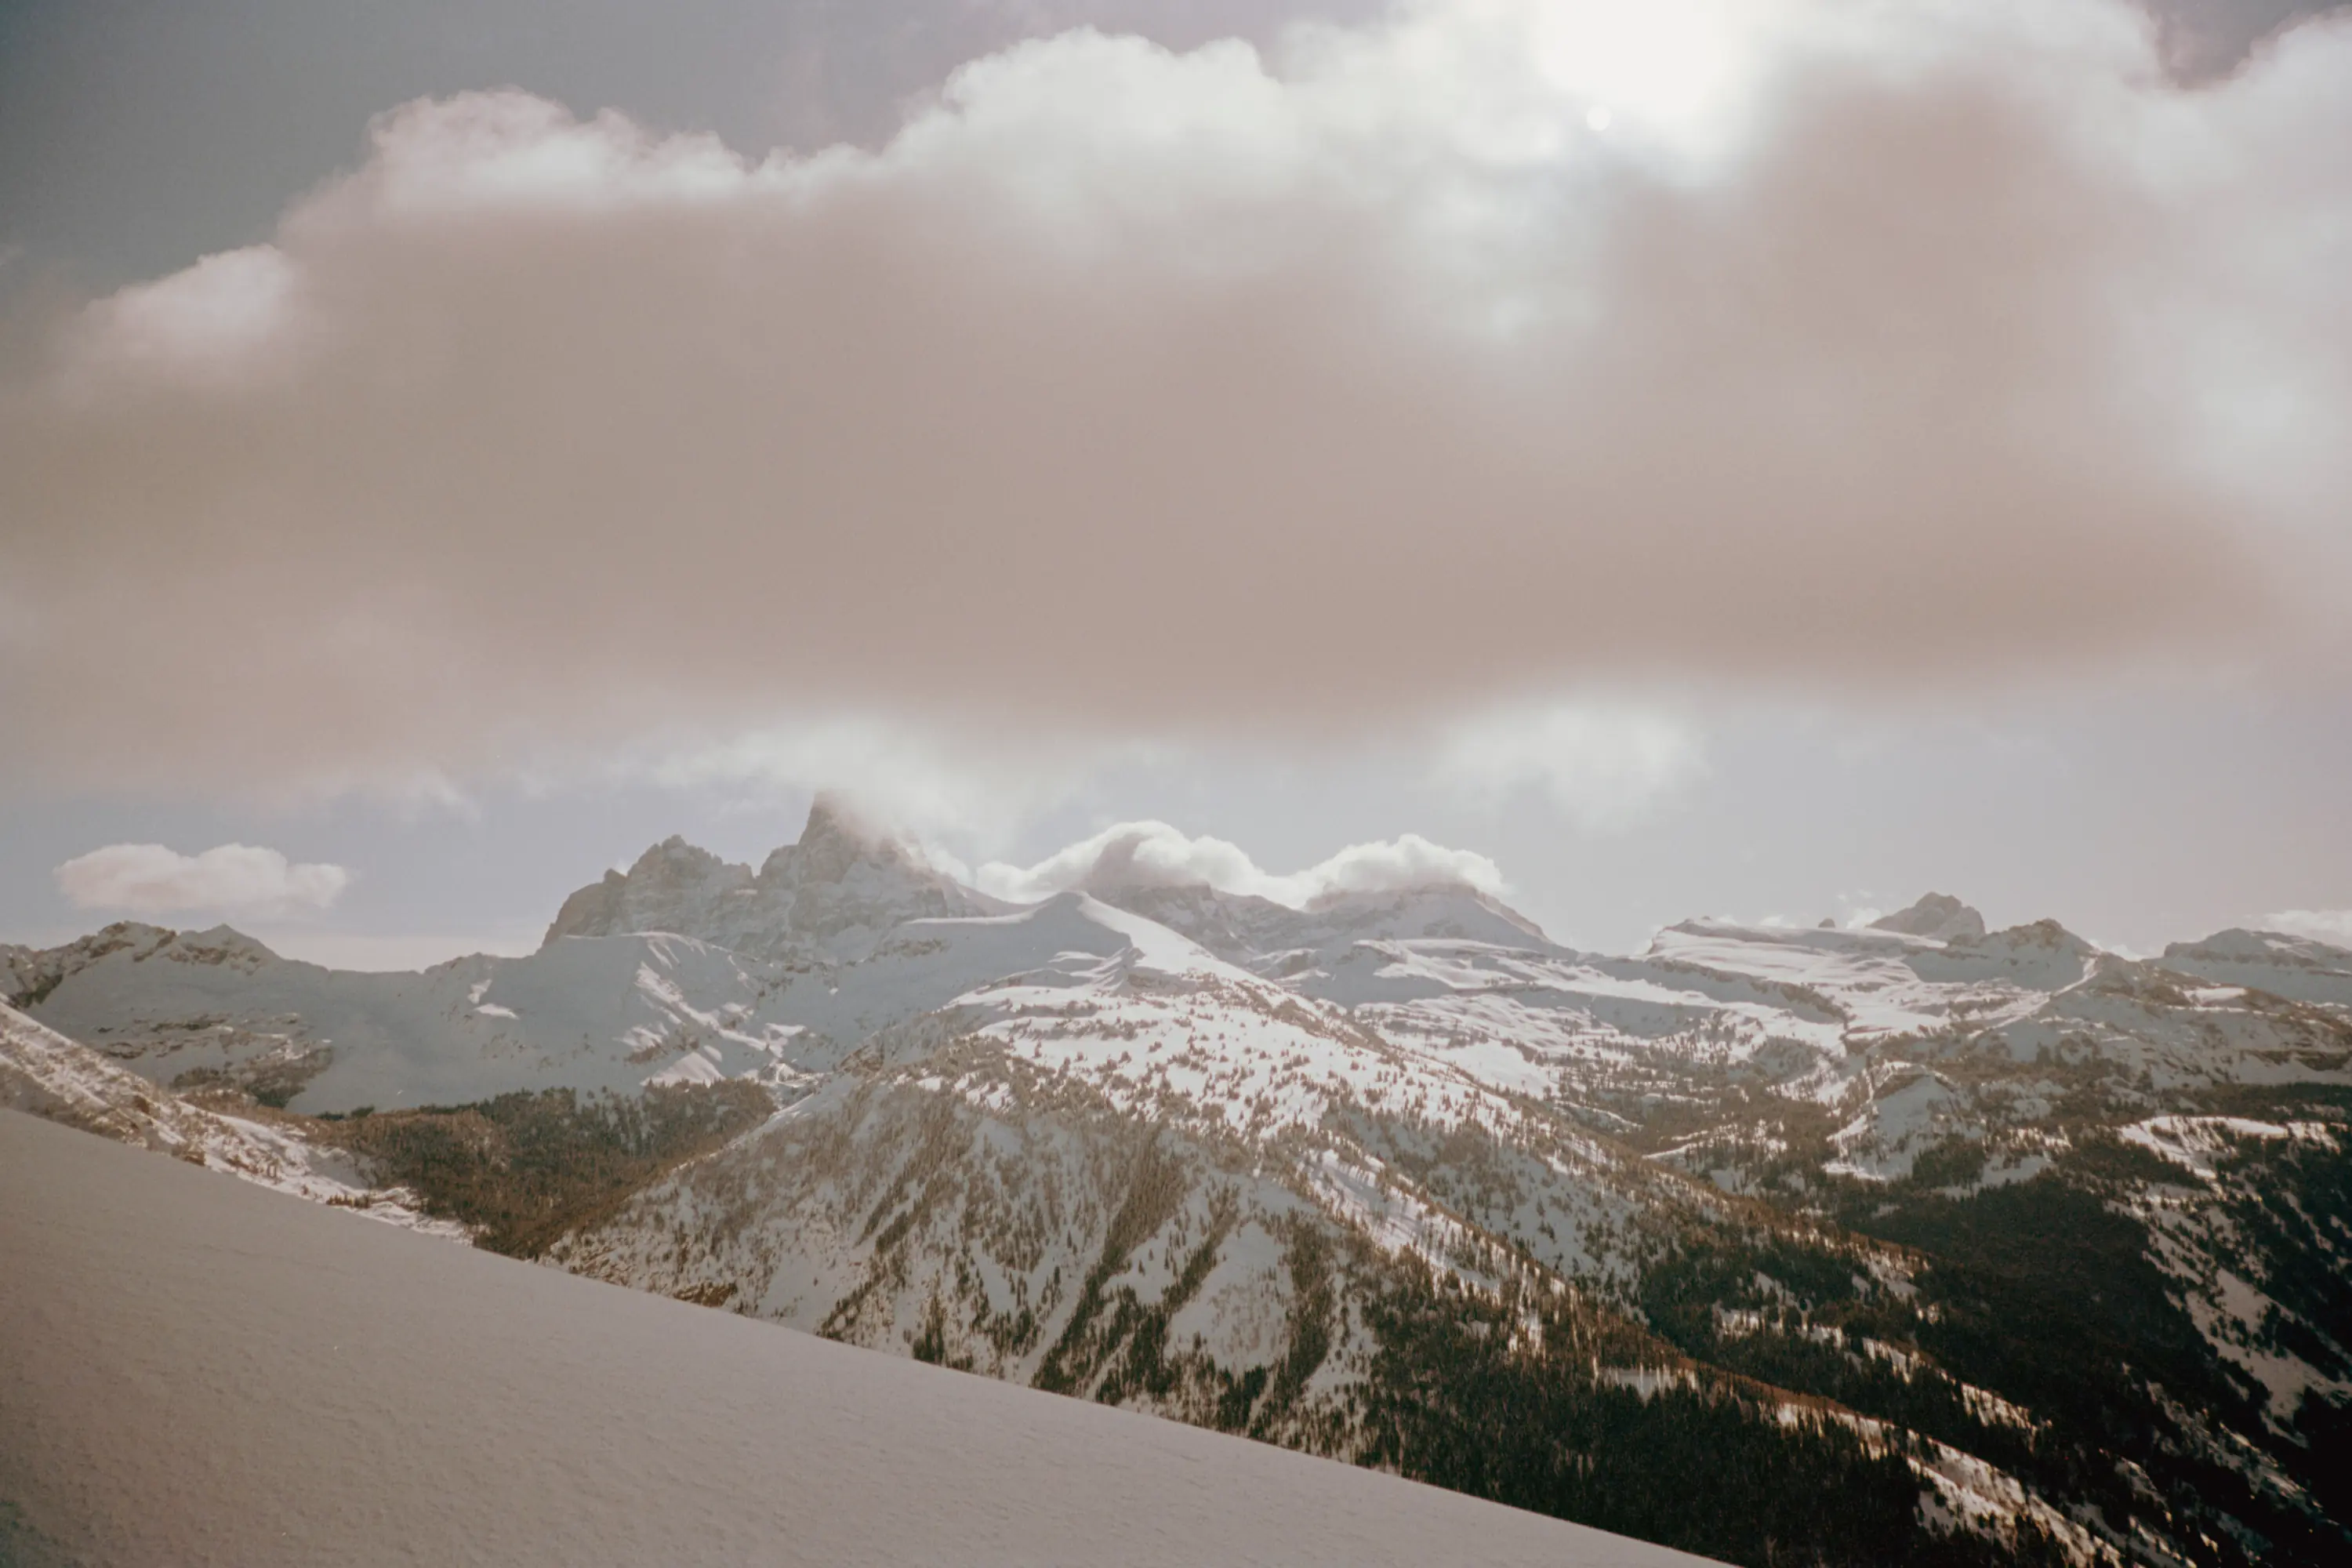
x: 1907, y: 1109
x: 602, y: 1013
x: 47, y: 1075
x: 2199, y: 1144
x: 1884, y: 981
x: 2209, y: 1234
x: 390, y: 1400
x: 2297, y: 968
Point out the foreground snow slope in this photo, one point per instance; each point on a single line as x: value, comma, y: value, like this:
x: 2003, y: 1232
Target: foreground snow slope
x: 195, y: 1371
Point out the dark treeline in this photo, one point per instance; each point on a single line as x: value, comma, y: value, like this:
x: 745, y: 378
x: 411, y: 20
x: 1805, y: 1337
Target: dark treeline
x: 1464, y: 1396
x: 524, y: 1168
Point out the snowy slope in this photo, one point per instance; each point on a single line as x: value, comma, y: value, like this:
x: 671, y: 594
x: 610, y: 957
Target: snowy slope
x: 43, y: 1073
x: 189, y: 1008
x: 2297, y: 968
x: 197, y: 1371
x: 1076, y: 1008
x: 1982, y: 1034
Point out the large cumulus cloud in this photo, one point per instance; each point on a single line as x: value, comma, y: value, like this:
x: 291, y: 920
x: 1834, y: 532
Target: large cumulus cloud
x: 233, y: 878
x: 1499, y: 346
x: 1154, y: 855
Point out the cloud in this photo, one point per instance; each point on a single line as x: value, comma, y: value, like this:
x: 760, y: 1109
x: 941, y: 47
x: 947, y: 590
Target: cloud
x: 1155, y: 855
x: 231, y: 878
x: 2332, y: 926
x: 926, y: 780
x: 1134, y: 393
x: 1603, y: 768
x: 2202, y: 39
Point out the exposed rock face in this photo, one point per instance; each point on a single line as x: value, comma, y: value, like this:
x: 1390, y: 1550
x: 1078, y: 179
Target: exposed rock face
x: 1939, y: 916
x: 2294, y: 967
x: 674, y: 887
x: 28, y: 975
x: 828, y: 898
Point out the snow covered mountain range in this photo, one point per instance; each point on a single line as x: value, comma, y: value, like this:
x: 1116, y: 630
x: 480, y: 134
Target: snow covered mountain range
x: 2021, y: 1249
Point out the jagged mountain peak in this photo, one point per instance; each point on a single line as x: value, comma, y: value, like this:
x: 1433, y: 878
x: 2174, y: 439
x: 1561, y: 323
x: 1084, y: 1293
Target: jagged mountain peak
x: 828, y: 896
x: 834, y: 842
x: 670, y: 887
x: 1939, y: 916
x: 675, y: 852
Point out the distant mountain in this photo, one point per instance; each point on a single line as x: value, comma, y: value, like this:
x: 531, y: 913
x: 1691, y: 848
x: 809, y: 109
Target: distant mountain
x: 828, y: 898
x: 1937, y: 915
x: 214, y: 1008
x: 2293, y: 967
x: 1977, y: 1246
x: 43, y: 1073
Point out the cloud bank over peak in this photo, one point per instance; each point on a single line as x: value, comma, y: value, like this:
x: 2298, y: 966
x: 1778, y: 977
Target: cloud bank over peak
x: 1154, y: 855
x: 236, y: 880
x: 1467, y: 355
x: 2331, y: 926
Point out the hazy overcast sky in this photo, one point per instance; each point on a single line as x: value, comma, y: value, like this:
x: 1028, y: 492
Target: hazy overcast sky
x: 1761, y: 457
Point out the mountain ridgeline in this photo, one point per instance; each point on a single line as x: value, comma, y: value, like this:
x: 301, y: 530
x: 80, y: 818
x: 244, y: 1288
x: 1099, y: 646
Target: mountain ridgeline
x: 828, y: 898
x: 1917, y: 1242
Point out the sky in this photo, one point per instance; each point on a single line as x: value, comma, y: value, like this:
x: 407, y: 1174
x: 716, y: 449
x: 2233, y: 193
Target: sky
x: 1755, y: 458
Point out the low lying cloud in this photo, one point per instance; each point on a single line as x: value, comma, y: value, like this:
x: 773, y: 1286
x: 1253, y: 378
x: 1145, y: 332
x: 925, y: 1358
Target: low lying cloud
x: 928, y: 782
x: 1154, y: 855
x: 230, y: 879
x: 2332, y: 926
x: 1471, y: 354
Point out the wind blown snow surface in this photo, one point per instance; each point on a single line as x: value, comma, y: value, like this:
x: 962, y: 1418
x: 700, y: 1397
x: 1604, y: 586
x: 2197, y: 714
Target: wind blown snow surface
x: 193, y: 1371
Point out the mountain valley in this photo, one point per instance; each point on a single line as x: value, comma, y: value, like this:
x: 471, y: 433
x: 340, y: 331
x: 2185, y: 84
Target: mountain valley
x: 1909, y: 1242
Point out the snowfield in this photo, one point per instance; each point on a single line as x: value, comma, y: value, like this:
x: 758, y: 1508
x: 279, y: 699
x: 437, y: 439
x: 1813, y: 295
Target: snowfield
x: 195, y: 1371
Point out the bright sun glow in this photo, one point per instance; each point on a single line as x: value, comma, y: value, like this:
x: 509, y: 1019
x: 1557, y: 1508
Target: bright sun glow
x: 1669, y: 63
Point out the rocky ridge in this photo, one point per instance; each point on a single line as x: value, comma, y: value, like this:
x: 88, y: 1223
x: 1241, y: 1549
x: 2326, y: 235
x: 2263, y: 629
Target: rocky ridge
x: 1341, y: 1175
